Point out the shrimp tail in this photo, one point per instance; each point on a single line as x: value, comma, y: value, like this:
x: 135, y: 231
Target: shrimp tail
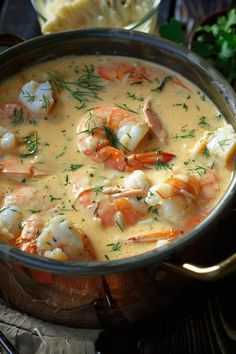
x: 169, y: 234
x: 154, y: 121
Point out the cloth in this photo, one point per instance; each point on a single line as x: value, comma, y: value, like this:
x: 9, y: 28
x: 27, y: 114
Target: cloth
x: 33, y: 336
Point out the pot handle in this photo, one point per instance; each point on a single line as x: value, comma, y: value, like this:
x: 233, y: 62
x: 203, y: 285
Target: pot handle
x: 211, y: 273
x: 8, y: 40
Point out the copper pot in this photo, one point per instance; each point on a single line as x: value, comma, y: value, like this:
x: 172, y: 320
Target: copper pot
x: 95, y: 294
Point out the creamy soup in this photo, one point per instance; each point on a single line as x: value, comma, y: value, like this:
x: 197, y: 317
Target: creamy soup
x: 107, y: 157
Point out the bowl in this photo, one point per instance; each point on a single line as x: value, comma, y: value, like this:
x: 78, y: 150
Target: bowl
x: 124, y: 291
x: 146, y: 23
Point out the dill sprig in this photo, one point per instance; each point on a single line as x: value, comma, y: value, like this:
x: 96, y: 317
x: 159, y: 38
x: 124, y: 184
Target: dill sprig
x: 83, y: 89
x: 134, y: 97
x: 113, y: 138
x: 126, y: 108
x: 203, y: 122
x: 114, y: 246
x: 31, y: 143
x: 185, y: 134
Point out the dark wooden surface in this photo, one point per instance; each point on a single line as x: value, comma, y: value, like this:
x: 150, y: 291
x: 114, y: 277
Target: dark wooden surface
x: 206, y: 323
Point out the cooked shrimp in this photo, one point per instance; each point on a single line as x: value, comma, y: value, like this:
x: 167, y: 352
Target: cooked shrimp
x: 154, y: 122
x: 7, y: 140
x: 16, y: 168
x: 123, y: 72
x: 61, y: 238
x: 168, y: 235
x: 14, y: 111
x: 106, y: 127
x: 120, y: 204
x: 37, y: 97
x: 175, y: 196
x: 209, y: 186
x: 10, y: 222
x: 31, y: 229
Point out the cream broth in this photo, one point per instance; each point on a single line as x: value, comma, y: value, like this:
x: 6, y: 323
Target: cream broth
x: 66, y: 174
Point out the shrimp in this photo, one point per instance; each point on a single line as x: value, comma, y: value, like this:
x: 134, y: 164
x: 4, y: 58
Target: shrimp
x: 60, y: 236
x: 14, y: 111
x: 59, y: 239
x: 175, y: 198
x: 123, y: 72
x: 31, y: 229
x: 119, y: 204
x: 37, y: 97
x: 10, y: 221
x: 7, y: 140
x: 109, y: 135
x: 209, y: 186
x: 155, y: 122
x: 16, y: 168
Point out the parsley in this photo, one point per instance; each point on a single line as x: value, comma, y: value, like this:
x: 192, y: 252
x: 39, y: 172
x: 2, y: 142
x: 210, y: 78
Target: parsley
x: 31, y: 142
x: 172, y: 31
x: 217, y: 43
x: 203, y: 122
x: 17, y: 117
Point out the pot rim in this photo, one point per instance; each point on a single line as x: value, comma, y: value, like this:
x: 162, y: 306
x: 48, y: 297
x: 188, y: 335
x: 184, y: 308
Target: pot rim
x: 157, y: 255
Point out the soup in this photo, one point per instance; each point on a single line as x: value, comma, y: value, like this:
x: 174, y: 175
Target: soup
x: 107, y: 157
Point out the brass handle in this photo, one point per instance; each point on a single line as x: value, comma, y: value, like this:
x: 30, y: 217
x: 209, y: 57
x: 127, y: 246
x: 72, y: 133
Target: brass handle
x: 215, y: 272
x: 9, y: 40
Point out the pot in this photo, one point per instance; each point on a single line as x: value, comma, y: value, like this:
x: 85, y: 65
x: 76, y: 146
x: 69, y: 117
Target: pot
x: 95, y: 294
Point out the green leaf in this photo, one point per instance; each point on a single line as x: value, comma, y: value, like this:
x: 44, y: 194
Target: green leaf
x: 172, y: 31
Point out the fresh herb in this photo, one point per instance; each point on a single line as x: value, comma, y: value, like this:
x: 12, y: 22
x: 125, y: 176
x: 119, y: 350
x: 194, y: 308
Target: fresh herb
x: 106, y: 257
x: 74, y: 167
x: 185, y: 107
x: 203, y: 122
x: 185, y: 134
x: 134, y: 97
x: 153, y: 210
x: 67, y: 180
x: 217, y: 43
x: 201, y: 95
x: 115, y: 246
x: 126, y: 108
x: 218, y: 116
x: 61, y: 153
x: 31, y: 143
x: 172, y: 31
x: 17, y: 117
x: 53, y: 198
x: 45, y: 103
x: 34, y: 122
x: 198, y: 108
x: 200, y: 170
x: 119, y: 225
x: 34, y: 211
x: 82, y: 104
x: 113, y: 138
x: 223, y: 143
x: 163, y: 166
x: 98, y: 189
x: 206, y: 153
x: 29, y: 98
x: 84, y: 89
x: 161, y: 86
